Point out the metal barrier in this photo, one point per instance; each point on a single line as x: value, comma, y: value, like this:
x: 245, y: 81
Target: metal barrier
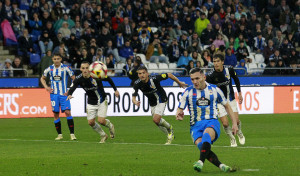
x: 15, y: 69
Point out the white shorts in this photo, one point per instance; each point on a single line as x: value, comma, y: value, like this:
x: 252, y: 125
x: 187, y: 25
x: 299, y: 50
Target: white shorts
x: 222, y: 111
x: 99, y: 110
x: 158, y: 109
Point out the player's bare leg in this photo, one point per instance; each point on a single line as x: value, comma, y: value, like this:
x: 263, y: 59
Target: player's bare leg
x: 105, y: 122
x: 240, y: 134
x: 165, y: 127
x: 57, y: 124
x: 70, y: 124
x: 96, y: 127
x: 228, y: 131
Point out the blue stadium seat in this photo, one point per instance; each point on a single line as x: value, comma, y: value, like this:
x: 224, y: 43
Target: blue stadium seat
x: 34, y: 59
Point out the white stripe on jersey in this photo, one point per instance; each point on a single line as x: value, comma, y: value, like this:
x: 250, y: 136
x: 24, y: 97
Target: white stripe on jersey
x: 227, y: 75
x: 154, y: 87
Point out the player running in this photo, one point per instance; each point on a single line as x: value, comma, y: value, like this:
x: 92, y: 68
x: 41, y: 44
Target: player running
x: 97, y: 103
x: 59, y: 73
x: 151, y: 88
x: 221, y: 76
x: 202, y: 99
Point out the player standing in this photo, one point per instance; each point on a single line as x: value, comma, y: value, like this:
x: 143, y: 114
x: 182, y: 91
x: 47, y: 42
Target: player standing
x: 150, y: 86
x: 58, y: 73
x: 97, y: 103
x: 202, y: 99
x: 221, y: 76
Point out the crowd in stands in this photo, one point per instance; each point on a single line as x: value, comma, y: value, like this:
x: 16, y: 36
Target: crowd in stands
x: 185, y: 32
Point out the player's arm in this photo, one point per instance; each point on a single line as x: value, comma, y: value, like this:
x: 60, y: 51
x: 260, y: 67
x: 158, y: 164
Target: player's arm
x: 237, y: 83
x: 43, y: 80
x: 174, y: 78
x: 110, y: 81
x: 224, y: 102
x: 73, y: 87
x: 182, y: 105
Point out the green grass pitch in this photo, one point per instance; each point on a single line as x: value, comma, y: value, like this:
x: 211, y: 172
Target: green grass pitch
x: 27, y: 147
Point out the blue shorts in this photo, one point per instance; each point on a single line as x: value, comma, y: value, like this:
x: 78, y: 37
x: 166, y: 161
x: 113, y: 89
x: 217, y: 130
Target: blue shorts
x: 59, y: 101
x: 198, y: 128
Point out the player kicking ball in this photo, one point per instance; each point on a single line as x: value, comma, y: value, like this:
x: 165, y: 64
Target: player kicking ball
x: 58, y: 73
x: 97, y: 103
x: 151, y: 88
x: 221, y: 76
x: 202, y: 99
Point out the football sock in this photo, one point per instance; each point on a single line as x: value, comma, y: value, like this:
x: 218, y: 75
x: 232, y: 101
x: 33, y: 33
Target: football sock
x: 199, y: 145
x: 212, y: 157
x: 108, y: 124
x: 240, y: 127
x: 98, y: 129
x: 57, y: 125
x: 164, y: 123
x: 206, y: 145
x: 228, y: 131
x: 70, y: 124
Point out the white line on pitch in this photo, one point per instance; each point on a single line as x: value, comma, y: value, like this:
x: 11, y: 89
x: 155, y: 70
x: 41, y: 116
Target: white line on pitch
x: 250, y: 170
x: 181, y: 145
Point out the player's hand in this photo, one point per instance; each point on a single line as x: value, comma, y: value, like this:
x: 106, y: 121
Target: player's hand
x: 137, y: 103
x: 182, y: 84
x: 69, y: 97
x: 240, y: 98
x: 66, y: 94
x: 179, y: 115
x: 49, y: 89
x: 117, y: 93
x: 234, y: 129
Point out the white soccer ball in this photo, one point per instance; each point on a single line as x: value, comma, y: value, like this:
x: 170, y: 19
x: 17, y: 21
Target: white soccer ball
x: 98, y: 70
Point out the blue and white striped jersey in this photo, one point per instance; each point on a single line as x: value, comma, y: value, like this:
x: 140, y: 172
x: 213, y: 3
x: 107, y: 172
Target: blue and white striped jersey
x: 58, y: 77
x: 202, y: 104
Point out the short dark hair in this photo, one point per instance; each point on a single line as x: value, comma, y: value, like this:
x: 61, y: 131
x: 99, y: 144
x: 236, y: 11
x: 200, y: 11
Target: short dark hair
x: 220, y: 56
x: 195, y: 70
x: 85, y: 62
x: 57, y: 55
x: 142, y: 68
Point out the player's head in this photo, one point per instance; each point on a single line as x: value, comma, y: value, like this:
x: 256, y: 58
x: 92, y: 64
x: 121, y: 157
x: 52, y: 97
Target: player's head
x: 143, y: 73
x: 84, y: 68
x: 218, y: 61
x: 197, y: 77
x: 56, y: 58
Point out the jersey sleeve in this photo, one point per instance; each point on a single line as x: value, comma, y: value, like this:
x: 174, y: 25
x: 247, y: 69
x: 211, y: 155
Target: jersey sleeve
x: 69, y: 71
x: 161, y: 77
x: 110, y: 81
x: 73, y: 86
x: 46, y: 72
x: 221, y: 98
x: 135, y: 90
x: 184, y: 100
x: 235, y: 78
x: 209, y: 78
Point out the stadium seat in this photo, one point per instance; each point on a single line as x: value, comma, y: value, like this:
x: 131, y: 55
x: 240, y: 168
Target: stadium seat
x: 249, y: 49
x: 259, y: 58
x: 163, y: 67
x: 252, y: 68
x: 252, y: 58
x: 143, y: 58
x: 118, y: 69
x: 34, y: 59
x: 261, y: 67
x: 153, y: 68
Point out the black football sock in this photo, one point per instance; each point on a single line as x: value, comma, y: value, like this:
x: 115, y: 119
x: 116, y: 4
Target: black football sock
x: 212, y: 157
x: 57, y: 126
x: 205, y: 150
x: 71, y: 124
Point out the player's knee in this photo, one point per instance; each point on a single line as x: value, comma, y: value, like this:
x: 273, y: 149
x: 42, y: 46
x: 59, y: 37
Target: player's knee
x: 225, y: 124
x: 101, y: 120
x: 91, y: 123
x: 156, y: 120
x: 68, y: 113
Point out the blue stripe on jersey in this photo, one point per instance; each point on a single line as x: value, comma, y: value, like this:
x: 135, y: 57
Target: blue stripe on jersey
x: 57, y: 84
x: 203, y: 111
x: 194, y: 104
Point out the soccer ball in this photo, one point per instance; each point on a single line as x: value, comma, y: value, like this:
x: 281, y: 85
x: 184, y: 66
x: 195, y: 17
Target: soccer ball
x: 98, y: 70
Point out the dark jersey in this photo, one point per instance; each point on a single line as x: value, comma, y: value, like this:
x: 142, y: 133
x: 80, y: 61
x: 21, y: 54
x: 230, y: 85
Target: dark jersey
x: 224, y: 82
x: 93, y: 88
x: 152, y: 89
